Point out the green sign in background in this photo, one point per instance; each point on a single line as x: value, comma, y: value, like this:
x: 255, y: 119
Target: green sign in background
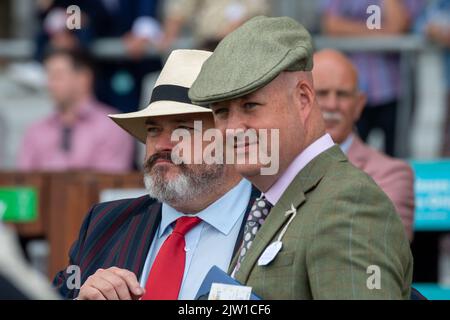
x: 18, y: 204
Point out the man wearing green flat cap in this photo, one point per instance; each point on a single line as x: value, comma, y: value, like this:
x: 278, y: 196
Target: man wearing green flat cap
x: 323, y: 229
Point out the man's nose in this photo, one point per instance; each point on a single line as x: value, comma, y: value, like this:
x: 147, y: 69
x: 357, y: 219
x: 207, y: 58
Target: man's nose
x: 164, y: 142
x: 329, y: 102
x: 236, y: 120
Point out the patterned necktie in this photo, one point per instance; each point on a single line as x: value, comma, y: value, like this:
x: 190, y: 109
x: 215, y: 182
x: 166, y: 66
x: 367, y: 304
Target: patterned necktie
x: 166, y: 275
x: 256, y: 217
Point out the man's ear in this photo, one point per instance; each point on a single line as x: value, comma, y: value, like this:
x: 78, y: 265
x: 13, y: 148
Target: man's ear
x: 304, y: 95
x: 361, y: 100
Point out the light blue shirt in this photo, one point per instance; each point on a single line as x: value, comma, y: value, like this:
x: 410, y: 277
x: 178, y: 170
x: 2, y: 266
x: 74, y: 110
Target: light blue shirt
x: 346, y: 144
x: 209, y: 243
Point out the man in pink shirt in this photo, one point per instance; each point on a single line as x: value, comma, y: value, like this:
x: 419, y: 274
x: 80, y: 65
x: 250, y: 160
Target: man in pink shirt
x: 336, y: 85
x: 78, y: 135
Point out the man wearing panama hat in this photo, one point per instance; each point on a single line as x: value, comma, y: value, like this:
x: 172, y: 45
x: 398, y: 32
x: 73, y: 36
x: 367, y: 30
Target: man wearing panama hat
x: 331, y: 233
x: 161, y: 246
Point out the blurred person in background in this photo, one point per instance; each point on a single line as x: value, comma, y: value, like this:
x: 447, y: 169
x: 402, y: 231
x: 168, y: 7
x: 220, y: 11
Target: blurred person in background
x: 341, y: 102
x: 210, y: 21
x: 379, y: 72
x: 133, y: 23
x: 136, y: 25
x: 52, y: 33
x: 435, y: 24
x: 78, y: 135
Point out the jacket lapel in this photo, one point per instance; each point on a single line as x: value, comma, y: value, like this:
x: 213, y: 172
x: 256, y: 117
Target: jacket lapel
x: 141, y: 237
x: 294, y: 195
x: 273, y: 223
x: 152, y: 220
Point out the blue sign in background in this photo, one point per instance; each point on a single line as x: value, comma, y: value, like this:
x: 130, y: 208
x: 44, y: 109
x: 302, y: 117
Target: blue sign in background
x: 432, y: 195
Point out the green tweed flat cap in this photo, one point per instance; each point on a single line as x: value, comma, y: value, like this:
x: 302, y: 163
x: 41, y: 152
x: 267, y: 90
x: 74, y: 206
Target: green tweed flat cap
x: 252, y: 56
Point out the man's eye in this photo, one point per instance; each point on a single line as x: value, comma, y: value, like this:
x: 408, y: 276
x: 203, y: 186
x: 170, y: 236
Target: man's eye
x: 344, y: 94
x: 220, y: 111
x: 152, y: 130
x: 250, y: 105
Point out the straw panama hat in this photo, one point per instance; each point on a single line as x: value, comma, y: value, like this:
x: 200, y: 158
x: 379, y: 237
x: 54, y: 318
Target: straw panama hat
x: 170, y: 93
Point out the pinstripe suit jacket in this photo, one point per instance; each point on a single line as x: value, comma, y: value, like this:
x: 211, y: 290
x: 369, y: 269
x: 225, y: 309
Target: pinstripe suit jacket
x: 118, y: 233
x: 345, y: 228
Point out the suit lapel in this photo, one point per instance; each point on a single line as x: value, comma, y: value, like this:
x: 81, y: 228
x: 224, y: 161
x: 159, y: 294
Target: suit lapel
x: 134, y: 253
x: 152, y: 220
x: 273, y: 223
x: 294, y: 195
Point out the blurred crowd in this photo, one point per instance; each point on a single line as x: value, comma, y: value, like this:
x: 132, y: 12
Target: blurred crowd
x: 85, y: 88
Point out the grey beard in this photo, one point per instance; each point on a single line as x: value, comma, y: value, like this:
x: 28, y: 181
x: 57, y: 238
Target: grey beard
x: 187, y: 186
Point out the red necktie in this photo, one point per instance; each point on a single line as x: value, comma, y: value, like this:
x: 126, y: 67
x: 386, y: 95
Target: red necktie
x: 166, y: 275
